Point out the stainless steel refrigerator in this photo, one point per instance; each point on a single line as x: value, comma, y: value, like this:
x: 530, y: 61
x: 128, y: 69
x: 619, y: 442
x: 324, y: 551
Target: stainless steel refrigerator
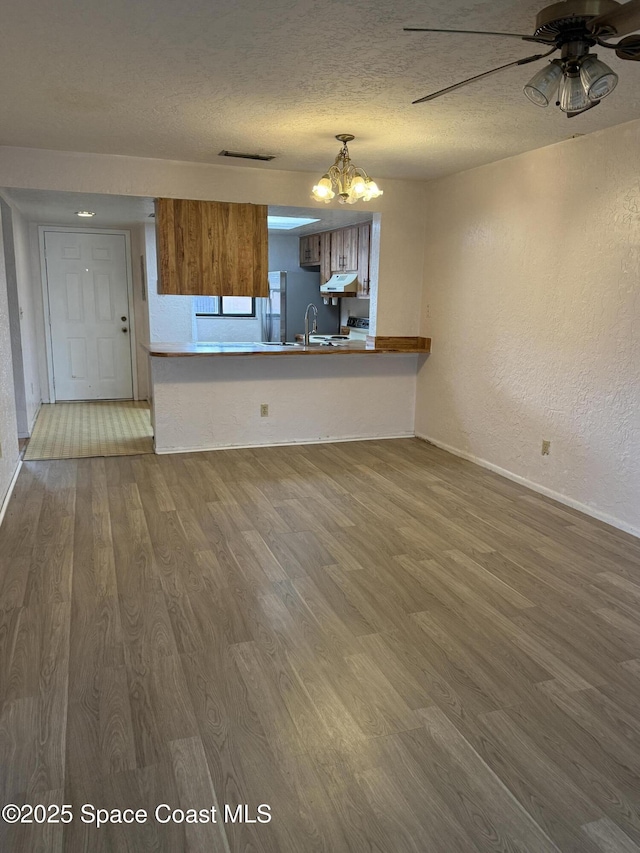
x: 282, y: 316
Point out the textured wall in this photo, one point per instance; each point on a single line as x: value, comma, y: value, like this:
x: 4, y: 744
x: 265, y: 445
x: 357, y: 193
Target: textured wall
x: 30, y: 296
x: 8, y: 426
x: 203, y: 403
x: 532, y: 296
x: 13, y: 306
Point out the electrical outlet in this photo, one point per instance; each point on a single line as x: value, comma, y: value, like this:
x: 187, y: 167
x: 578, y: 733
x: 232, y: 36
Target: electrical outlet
x: 546, y: 447
x: 264, y: 410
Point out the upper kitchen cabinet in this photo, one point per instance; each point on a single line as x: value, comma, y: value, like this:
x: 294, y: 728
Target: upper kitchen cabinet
x: 325, y: 256
x: 364, y: 259
x: 344, y: 250
x: 310, y: 252
x: 211, y: 248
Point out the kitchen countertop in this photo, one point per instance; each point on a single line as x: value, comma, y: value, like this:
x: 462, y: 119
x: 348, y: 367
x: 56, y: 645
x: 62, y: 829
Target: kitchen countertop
x: 191, y: 350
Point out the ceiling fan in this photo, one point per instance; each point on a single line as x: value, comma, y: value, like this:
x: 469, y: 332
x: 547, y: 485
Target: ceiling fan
x: 572, y: 27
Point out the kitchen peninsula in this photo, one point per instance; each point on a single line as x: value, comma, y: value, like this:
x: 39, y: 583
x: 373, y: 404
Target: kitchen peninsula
x: 213, y: 396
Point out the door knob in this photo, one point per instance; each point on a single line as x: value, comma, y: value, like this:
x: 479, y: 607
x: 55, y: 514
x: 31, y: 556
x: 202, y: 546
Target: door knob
x: 123, y: 319
x: 124, y: 329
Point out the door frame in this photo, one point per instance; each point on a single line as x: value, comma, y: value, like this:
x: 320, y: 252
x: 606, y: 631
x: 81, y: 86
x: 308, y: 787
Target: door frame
x: 42, y: 229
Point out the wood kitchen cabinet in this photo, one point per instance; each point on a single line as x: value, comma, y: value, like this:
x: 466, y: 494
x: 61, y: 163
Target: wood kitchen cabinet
x: 364, y: 258
x: 211, y: 248
x: 344, y: 249
x: 310, y: 250
x: 325, y: 256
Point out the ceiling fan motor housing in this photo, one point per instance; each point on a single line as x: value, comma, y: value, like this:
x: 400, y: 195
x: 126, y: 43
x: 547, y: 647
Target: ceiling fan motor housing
x: 568, y: 20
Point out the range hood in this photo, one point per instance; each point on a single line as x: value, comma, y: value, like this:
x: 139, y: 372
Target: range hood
x: 340, y: 284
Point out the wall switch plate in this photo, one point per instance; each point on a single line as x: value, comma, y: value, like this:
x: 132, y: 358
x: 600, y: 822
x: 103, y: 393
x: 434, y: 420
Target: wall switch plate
x: 546, y: 447
x: 264, y: 410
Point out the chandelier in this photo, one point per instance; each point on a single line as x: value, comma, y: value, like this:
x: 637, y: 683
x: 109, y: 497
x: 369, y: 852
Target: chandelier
x: 348, y: 181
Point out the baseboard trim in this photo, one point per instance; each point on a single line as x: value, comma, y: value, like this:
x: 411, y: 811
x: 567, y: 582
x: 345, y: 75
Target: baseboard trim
x: 7, y: 497
x: 166, y: 451
x: 535, y: 487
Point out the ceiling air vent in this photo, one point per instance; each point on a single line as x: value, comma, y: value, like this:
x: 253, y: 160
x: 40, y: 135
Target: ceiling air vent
x: 242, y: 156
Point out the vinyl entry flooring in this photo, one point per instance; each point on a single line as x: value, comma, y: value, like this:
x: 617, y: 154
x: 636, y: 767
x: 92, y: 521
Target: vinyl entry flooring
x: 391, y: 647
x: 96, y: 428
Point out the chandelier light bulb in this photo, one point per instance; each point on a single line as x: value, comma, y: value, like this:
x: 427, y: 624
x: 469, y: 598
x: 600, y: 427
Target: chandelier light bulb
x: 322, y: 190
x: 372, y: 190
x: 358, y: 186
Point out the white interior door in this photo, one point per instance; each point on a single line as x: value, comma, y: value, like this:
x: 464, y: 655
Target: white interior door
x: 89, y: 315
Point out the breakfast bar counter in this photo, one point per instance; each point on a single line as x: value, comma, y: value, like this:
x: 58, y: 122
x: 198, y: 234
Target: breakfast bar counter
x: 216, y: 396
x: 372, y: 346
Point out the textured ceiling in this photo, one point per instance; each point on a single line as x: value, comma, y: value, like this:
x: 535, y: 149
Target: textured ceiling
x: 157, y: 78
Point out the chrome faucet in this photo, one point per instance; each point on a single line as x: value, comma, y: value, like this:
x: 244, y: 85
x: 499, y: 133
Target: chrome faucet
x: 306, y: 323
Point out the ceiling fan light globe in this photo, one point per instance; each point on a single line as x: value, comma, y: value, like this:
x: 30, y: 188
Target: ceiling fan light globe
x: 573, y: 96
x: 597, y: 78
x: 542, y: 87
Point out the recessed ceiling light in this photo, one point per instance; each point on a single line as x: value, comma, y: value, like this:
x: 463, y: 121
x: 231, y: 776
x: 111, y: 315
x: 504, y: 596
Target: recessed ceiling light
x: 286, y: 223
x: 85, y: 213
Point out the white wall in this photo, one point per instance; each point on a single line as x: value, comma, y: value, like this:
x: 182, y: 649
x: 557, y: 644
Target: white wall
x: 228, y: 329
x: 39, y: 319
x: 399, y: 234
x: 8, y: 425
x: 205, y: 403
x: 170, y: 317
x: 141, y: 308
x: 13, y: 306
x: 532, y: 296
x: 28, y: 294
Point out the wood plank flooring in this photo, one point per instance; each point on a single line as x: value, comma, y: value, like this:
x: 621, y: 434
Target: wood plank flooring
x: 394, y: 649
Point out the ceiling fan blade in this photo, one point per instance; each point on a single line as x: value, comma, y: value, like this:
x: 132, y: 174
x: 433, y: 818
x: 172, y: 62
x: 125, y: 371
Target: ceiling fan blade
x: 462, y: 83
x: 629, y: 48
x: 621, y: 21
x: 479, y: 33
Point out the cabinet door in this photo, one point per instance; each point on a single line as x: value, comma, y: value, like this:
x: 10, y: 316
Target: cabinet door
x: 337, y: 251
x: 316, y: 249
x: 210, y: 248
x: 344, y: 249
x: 304, y: 251
x: 350, y: 248
x: 364, y: 244
x: 325, y: 256
x: 310, y: 250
